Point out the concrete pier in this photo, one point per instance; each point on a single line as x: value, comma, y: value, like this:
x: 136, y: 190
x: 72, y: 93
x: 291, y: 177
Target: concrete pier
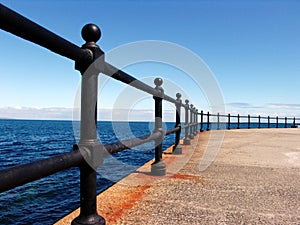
x: 254, y: 179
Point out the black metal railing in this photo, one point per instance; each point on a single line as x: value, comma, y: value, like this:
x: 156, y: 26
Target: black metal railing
x: 237, y: 121
x: 88, y: 154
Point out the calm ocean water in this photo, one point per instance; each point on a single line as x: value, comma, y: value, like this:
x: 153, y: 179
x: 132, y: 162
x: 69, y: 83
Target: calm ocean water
x: 48, y: 199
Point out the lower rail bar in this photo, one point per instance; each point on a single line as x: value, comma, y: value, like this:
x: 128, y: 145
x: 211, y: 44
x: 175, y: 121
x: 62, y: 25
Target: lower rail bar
x: 173, y: 130
x: 22, y: 174
x: 130, y: 143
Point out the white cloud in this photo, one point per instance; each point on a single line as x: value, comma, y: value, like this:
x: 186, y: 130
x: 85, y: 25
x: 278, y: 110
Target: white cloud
x: 283, y: 106
x: 270, y: 109
x: 58, y: 113
x: 242, y: 105
x: 51, y: 113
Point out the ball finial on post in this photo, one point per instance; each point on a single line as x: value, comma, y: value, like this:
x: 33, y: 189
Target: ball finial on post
x: 158, y: 82
x: 91, y: 33
x: 187, y: 101
x: 178, y: 96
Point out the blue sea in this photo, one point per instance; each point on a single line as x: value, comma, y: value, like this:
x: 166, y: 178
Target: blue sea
x: 48, y: 199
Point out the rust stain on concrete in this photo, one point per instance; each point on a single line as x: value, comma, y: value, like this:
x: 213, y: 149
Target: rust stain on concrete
x: 115, y: 205
x: 188, y: 177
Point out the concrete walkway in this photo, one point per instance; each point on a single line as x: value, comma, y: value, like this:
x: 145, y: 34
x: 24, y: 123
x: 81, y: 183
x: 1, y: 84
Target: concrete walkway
x: 254, y: 179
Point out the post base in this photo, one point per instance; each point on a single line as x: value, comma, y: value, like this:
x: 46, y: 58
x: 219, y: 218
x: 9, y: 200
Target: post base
x: 201, y: 130
x: 89, y: 220
x: 158, y: 169
x: 191, y: 136
x: 186, y: 141
x: 177, y: 150
x: 294, y: 126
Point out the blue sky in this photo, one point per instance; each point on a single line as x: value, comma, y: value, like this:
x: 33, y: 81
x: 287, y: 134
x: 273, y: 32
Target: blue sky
x: 251, y: 47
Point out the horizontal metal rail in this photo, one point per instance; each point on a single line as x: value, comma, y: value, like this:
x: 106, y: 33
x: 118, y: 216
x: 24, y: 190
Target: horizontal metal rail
x: 260, y: 121
x: 124, y: 77
x: 84, y: 57
x: 22, y: 174
x: 119, y: 146
x: 14, y: 176
x: 185, y: 126
x: 20, y: 26
x: 251, y: 117
x: 171, y: 131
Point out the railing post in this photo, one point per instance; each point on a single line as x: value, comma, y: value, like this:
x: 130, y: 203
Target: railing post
x: 249, y: 122
x: 158, y: 167
x: 276, y: 121
x: 218, y: 121
x: 195, y: 121
x: 268, y: 121
x: 191, y: 122
x: 207, y: 122
x: 186, y: 140
x: 201, y: 122
x: 285, y: 122
x: 88, y: 129
x: 228, y: 121
x: 259, y: 121
x: 294, y: 123
x: 196, y: 118
x: 177, y: 147
x: 238, y: 127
